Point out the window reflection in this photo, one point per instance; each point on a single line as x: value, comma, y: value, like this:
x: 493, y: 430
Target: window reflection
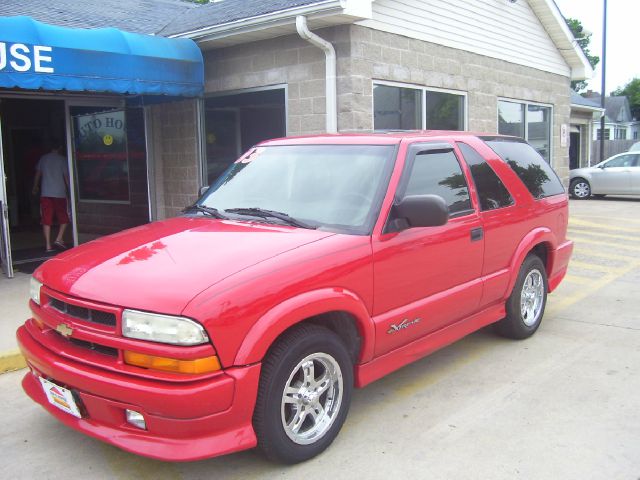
x: 511, y: 119
x: 440, y: 174
x: 396, y: 108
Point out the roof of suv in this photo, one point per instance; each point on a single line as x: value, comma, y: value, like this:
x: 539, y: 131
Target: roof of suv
x: 388, y: 138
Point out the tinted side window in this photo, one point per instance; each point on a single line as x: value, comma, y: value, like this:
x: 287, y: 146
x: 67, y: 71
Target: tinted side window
x: 491, y: 191
x: 535, y: 173
x: 440, y: 174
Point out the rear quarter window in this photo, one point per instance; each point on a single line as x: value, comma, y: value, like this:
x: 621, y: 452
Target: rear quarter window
x: 537, y: 175
x: 491, y: 191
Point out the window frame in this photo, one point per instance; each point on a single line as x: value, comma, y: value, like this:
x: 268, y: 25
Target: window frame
x: 424, y: 90
x: 526, y: 104
x: 418, y: 148
x: 201, y: 114
x: 475, y: 183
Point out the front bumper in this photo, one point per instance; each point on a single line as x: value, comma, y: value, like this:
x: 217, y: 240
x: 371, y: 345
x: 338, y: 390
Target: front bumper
x: 185, y: 421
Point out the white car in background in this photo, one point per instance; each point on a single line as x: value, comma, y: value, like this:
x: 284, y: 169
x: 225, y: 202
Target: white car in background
x: 617, y: 175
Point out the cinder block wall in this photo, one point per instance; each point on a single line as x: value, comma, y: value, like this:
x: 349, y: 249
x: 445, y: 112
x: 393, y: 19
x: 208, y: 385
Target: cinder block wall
x: 377, y: 55
x: 285, y: 60
x: 364, y: 55
x: 175, y: 156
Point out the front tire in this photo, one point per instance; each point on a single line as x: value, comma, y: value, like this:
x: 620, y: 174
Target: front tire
x: 580, y: 189
x: 304, y: 394
x: 525, y: 306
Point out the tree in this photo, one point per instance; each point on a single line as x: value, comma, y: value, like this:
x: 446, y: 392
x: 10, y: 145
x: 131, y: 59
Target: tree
x: 583, y: 39
x: 632, y: 91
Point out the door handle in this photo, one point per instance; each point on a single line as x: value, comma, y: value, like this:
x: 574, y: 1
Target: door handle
x: 476, y: 234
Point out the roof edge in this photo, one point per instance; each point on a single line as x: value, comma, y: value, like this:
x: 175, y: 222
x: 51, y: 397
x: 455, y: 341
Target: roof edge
x: 356, y: 8
x: 561, y: 35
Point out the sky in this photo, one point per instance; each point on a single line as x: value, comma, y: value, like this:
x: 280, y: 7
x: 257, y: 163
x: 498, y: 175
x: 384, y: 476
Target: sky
x: 623, y: 61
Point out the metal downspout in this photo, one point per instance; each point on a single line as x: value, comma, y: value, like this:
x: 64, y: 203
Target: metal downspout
x: 330, y: 71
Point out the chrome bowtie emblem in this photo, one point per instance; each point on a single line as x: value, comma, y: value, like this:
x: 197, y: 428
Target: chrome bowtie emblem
x: 406, y: 323
x: 64, y: 329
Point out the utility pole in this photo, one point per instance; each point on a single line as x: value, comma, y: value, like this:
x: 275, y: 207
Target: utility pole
x: 604, y: 74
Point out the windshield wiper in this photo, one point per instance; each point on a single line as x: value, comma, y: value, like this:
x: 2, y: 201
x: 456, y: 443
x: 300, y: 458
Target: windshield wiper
x: 212, y: 212
x: 263, y: 213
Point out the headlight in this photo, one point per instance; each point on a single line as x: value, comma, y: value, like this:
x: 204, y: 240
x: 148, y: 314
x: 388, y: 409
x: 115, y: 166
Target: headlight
x: 162, y: 328
x: 34, y: 290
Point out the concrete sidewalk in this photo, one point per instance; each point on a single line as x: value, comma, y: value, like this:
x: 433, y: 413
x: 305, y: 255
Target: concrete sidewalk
x: 14, y: 298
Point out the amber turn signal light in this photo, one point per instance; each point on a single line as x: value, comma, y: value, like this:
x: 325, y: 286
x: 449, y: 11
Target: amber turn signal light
x: 197, y: 365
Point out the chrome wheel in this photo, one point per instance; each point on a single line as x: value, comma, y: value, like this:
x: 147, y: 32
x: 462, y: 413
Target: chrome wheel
x: 581, y: 189
x: 311, y: 398
x: 532, y: 297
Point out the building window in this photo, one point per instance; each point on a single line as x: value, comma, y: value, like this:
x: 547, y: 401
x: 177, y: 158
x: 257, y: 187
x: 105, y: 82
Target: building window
x: 397, y: 108
x: 620, y: 133
x: 415, y: 108
x: 635, y: 135
x: 529, y: 121
x: 607, y: 134
x: 234, y: 122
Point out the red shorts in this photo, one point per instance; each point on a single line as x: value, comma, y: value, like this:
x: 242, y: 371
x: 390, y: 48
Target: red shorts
x: 49, y: 205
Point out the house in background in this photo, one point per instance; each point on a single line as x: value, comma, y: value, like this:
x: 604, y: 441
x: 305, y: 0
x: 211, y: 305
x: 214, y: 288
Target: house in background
x: 619, y: 123
x: 277, y: 68
x: 585, y: 113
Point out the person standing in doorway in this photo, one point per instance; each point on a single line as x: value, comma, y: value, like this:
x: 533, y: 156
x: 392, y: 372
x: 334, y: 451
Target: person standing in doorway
x: 52, y: 179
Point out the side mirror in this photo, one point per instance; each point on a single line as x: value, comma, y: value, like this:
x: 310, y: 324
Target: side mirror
x: 203, y: 190
x: 420, y: 211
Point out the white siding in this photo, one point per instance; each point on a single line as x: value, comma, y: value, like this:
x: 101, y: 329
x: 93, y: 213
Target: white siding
x: 494, y: 28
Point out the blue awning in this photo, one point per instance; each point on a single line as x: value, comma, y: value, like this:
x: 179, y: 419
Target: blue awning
x: 35, y: 55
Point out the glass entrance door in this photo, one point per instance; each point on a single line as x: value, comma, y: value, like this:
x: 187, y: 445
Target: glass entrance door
x: 108, y: 149
x: 5, y: 241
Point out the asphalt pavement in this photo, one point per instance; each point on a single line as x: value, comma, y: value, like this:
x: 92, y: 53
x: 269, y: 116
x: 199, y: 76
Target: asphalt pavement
x: 561, y: 405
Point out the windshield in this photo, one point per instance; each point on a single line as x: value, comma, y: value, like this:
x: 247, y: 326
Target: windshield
x: 330, y: 187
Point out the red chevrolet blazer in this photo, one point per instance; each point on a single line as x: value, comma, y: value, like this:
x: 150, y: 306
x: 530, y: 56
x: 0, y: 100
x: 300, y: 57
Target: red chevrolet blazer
x: 312, y: 266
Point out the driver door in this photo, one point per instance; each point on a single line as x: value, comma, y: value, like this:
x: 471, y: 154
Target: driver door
x: 428, y: 278
x: 614, y: 176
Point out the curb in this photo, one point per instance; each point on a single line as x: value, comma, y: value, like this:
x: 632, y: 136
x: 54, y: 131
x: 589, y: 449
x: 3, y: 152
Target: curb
x: 11, y: 360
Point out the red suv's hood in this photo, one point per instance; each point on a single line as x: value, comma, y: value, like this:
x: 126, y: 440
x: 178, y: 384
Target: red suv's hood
x: 162, y: 265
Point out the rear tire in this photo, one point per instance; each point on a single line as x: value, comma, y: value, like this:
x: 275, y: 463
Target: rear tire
x: 580, y: 189
x: 304, y: 394
x: 525, y: 306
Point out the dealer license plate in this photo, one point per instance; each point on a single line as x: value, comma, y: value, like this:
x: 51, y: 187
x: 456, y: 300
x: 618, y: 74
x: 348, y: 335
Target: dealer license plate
x: 60, y: 397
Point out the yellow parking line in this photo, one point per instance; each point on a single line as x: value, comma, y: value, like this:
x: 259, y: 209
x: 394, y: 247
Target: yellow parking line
x: 619, y: 219
x: 11, y: 360
x: 604, y: 234
x: 591, y: 288
x: 602, y: 254
x: 580, y: 240
x: 577, y: 279
x: 597, y: 268
x: 471, y: 354
x: 585, y: 223
x: 473, y: 350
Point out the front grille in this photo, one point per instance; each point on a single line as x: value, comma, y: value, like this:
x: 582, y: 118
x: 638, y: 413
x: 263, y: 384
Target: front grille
x: 112, y: 352
x: 82, y: 313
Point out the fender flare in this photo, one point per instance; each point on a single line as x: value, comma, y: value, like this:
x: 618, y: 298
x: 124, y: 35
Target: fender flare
x: 534, y: 237
x: 296, y: 309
